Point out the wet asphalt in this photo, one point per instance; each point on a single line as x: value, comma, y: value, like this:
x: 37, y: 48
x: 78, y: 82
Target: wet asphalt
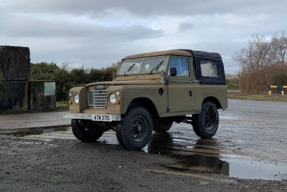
x: 250, y: 143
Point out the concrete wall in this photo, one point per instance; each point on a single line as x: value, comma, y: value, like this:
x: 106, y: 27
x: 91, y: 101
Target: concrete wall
x: 14, y: 75
x: 13, y: 96
x: 17, y: 93
x: 14, y: 63
x: 38, y: 99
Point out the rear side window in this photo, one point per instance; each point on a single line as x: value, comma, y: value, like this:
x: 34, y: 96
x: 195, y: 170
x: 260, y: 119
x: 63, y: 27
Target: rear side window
x: 210, y: 71
x: 209, y: 68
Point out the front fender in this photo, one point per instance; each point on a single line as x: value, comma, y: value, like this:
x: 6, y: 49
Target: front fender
x: 83, y: 104
x: 156, y: 94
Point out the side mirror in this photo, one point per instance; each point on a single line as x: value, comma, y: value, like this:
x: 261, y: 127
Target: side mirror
x: 173, y: 71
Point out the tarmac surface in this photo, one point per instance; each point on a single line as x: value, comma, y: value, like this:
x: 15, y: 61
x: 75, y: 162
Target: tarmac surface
x: 32, y: 122
x: 248, y: 153
x: 250, y: 142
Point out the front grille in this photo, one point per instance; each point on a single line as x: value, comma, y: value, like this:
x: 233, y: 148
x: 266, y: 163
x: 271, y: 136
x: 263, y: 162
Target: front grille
x: 91, y: 98
x: 100, y: 97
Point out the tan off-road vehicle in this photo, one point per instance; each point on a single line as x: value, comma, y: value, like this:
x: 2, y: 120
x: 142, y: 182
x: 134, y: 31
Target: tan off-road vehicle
x: 149, y: 92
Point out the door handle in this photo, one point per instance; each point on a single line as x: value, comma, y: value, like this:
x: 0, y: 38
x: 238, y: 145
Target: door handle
x: 190, y: 93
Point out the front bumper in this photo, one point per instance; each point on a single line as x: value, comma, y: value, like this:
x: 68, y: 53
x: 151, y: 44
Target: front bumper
x: 69, y: 115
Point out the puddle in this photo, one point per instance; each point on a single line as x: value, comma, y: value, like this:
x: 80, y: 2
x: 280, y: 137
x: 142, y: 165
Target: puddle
x: 48, y: 130
x: 227, y: 117
x: 206, y: 156
x: 37, y: 131
x: 201, y: 164
x: 250, y: 169
x: 198, y: 155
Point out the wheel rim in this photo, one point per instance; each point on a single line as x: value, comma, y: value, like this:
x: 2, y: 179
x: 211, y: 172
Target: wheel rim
x: 84, y: 128
x: 138, y: 128
x: 210, y: 120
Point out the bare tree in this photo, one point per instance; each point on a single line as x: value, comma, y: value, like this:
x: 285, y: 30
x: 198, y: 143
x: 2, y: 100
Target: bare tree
x: 259, y: 62
x: 279, y: 50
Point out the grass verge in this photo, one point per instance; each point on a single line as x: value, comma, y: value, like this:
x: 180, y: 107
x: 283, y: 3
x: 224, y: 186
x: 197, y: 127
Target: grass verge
x: 62, y: 105
x: 243, y: 96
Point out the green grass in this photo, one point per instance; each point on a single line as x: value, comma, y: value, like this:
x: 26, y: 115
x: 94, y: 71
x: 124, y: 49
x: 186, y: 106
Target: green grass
x: 232, y: 84
x: 62, y: 105
x: 274, y: 97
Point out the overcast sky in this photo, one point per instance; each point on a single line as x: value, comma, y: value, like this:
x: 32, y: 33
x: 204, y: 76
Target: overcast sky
x: 95, y: 34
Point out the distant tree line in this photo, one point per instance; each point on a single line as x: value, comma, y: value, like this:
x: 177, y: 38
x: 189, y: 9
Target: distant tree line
x: 263, y: 62
x: 65, y: 79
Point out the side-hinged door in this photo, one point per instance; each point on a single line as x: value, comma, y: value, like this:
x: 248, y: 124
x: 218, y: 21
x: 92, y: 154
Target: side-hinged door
x: 180, y: 88
x: 211, y: 76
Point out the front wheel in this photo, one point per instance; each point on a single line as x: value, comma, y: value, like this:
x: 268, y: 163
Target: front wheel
x: 85, y: 132
x: 205, y: 124
x: 136, y: 129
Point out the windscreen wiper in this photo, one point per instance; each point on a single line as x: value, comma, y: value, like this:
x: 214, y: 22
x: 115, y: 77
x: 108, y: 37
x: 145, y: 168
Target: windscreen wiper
x: 130, y: 68
x: 156, y: 67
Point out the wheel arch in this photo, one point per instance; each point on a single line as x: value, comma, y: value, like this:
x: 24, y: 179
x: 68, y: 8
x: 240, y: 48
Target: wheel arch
x: 213, y: 100
x: 145, y: 103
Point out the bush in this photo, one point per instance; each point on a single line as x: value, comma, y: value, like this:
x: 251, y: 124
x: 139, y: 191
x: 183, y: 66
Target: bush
x: 263, y: 63
x: 66, y: 80
x: 280, y: 80
x: 232, y: 84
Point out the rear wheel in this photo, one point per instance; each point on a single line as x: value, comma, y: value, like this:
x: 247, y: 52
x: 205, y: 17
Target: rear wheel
x: 136, y: 129
x: 86, y: 133
x: 205, y: 124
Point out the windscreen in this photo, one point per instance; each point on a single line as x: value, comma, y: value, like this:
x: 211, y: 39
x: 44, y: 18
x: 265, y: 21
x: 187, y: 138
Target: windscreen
x: 147, y: 65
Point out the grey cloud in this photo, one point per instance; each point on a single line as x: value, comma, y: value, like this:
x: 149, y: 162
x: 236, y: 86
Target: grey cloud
x: 38, y: 28
x: 16, y: 26
x: 96, y: 33
x: 150, y: 7
x: 185, y: 26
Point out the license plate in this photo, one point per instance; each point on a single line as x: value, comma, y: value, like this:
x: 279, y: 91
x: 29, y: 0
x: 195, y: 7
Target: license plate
x: 102, y: 118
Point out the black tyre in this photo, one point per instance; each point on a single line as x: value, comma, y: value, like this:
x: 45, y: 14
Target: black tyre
x: 135, y: 131
x: 85, y: 132
x: 162, y: 125
x: 205, y: 124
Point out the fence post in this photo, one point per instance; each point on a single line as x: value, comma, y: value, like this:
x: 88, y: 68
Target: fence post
x: 269, y: 90
x: 281, y: 87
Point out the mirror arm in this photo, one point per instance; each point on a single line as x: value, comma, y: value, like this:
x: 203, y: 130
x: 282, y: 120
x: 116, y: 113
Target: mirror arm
x: 163, y: 78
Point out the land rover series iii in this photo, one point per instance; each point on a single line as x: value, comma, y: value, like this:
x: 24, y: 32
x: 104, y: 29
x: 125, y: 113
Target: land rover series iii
x: 149, y: 92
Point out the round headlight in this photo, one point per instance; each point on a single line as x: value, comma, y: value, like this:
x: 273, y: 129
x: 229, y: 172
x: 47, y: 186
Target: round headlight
x: 76, y: 98
x: 113, y: 98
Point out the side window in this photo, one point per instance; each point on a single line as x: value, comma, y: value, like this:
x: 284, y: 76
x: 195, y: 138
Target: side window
x: 209, y: 68
x: 181, y: 66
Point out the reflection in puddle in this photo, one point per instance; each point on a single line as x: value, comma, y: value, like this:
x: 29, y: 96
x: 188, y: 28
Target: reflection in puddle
x: 205, y: 156
x: 208, y: 155
x: 202, y: 164
x: 227, y: 117
x: 248, y: 169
